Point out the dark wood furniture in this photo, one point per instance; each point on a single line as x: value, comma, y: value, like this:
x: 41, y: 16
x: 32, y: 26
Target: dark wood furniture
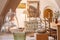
x: 42, y: 36
x: 58, y: 32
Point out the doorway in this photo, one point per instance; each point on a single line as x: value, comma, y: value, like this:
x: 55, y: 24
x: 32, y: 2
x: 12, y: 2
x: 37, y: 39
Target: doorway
x: 48, y: 13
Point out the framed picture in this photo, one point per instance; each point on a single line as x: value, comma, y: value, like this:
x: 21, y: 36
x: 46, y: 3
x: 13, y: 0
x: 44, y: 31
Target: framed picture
x: 33, y: 8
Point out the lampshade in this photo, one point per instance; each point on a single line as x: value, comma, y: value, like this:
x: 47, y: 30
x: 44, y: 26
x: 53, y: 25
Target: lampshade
x: 22, y: 5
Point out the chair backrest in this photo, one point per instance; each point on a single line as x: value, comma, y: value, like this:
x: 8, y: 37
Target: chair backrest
x: 19, y: 36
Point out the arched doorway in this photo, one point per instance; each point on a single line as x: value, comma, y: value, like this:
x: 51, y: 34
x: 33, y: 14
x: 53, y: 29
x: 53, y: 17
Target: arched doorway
x: 48, y: 13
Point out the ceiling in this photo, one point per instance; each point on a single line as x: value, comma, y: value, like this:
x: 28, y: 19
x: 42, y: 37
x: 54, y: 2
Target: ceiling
x: 58, y: 2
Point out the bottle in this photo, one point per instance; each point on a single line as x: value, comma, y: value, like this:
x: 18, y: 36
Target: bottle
x: 56, y: 20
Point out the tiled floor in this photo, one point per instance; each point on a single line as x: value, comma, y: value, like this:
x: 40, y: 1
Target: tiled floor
x: 6, y: 37
x: 10, y: 37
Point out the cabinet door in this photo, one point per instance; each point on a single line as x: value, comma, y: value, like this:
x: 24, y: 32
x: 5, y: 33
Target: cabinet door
x: 41, y: 36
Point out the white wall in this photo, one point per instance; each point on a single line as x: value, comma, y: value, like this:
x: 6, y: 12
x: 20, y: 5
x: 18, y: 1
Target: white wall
x: 2, y: 4
x: 20, y: 15
x: 58, y: 2
x: 43, y: 4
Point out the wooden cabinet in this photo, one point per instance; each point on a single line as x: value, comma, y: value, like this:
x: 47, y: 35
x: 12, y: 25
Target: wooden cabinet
x: 42, y: 36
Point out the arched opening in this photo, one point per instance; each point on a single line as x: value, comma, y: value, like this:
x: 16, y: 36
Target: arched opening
x: 48, y: 13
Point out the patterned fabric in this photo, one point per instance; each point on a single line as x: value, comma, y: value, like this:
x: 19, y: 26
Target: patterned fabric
x: 31, y: 25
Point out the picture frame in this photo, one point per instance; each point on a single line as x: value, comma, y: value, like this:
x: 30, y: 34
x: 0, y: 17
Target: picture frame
x: 33, y: 8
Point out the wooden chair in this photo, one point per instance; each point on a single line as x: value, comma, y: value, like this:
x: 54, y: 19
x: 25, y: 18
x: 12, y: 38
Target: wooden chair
x: 54, y: 34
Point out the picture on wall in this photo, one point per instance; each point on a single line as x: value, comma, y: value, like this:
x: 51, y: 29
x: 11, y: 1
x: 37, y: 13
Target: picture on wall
x: 33, y: 8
